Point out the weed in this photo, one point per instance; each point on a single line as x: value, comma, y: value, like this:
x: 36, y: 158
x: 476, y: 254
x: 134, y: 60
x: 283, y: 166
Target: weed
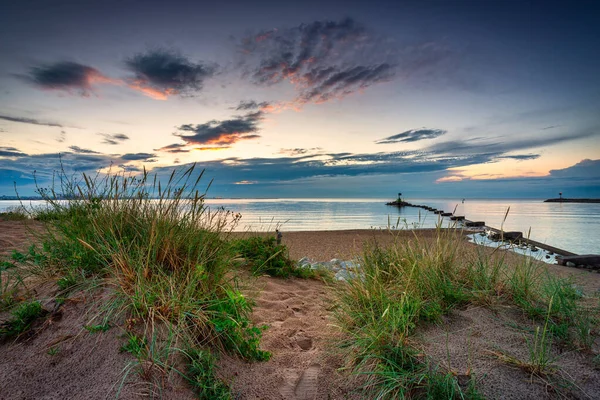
x: 135, y: 345
x: 22, y: 318
x: 97, y: 328
x: 265, y: 256
x: 52, y: 351
x: 201, y: 373
x: 66, y: 282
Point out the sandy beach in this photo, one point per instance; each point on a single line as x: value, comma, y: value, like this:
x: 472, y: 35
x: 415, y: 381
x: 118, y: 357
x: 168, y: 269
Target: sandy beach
x: 300, y: 333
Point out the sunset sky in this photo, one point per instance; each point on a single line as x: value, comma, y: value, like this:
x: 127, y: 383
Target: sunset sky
x: 307, y: 99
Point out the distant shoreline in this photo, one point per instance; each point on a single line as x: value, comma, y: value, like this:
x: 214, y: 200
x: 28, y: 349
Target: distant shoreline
x: 572, y: 200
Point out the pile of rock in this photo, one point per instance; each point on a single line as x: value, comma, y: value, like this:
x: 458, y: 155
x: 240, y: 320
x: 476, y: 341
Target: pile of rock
x: 344, y: 270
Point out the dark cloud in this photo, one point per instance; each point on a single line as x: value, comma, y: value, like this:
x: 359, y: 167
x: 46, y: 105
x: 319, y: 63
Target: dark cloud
x: 413, y: 135
x: 175, y: 148
x: 251, y: 105
x: 328, y: 60
x: 67, y: 76
x: 44, y: 165
x: 137, y: 156
x: 130, y: 168
x: 77, y: 149
x: 222, y: 133
x: 522, y: 157
x: 163, y: 73
x: 29, y: 121
x: 10, y: 152
x: 113, y: 139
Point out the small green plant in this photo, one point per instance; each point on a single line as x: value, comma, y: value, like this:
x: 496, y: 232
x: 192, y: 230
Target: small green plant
x: 97, y: 328
x: 66, y: 282
x: 201, y: 373
x: 265, y: 256
x: 540, y: 362
x: 135, y: 345
x: 52, y: 351
x: 22, y: 318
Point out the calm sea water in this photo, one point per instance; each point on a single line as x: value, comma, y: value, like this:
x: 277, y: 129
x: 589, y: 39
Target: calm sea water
x: 569, y: 226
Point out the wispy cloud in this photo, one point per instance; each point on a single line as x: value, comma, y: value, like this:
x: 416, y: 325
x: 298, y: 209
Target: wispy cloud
x: 328, y: 60
x: 413, y: 135
x: 299, y: 151
x: 249, y: 105
x: 77, y: 149
x: 137, y: 156
x: 113, y: 139
x: 67, y: 76
x: 521, y: 157
x: 163, y: 73
x: 222, y: 133
x: 29, y: 121
x: 10, y: 152
x: 503, y: 145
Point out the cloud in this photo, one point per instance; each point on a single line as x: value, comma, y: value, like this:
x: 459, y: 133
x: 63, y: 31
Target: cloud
x: 137, y: 156
x: 163, y: 73
x: 62, y: 137
x: 29, y: 121
x: 67, y: 76
x: 521, y: 157
x: 10, y: 152
x: 328, y: 60
x: 113, y: 139
x: 298, y: 151
x: 413, y: 135
x: 247, y: 105
x: 175, y: 148
x: 77, y: 149
x: 503, y: 145
x: 222, y: 133
x: 583, y: 169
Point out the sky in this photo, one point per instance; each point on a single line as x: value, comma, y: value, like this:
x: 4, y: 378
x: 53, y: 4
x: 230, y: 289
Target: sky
x: 479, y: 99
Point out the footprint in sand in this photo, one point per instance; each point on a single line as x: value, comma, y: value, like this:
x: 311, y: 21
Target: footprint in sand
x: 306, y: 388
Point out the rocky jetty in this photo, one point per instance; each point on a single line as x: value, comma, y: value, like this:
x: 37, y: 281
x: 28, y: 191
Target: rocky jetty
x: 561, y: 200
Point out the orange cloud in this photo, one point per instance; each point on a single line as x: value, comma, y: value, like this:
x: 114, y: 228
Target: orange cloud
x: 157, y: 94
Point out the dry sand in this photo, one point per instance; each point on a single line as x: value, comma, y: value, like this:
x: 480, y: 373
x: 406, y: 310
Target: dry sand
x: 300, y: 334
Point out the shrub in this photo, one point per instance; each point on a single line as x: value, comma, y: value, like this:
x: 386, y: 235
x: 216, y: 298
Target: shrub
x: 265, y: 256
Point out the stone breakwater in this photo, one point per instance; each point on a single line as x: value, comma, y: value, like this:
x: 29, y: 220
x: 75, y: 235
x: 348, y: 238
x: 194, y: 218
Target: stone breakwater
x: 515, y: 241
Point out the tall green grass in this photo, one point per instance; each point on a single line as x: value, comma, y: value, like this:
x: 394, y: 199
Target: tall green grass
x: 163, y: 253
x: 419, y: 279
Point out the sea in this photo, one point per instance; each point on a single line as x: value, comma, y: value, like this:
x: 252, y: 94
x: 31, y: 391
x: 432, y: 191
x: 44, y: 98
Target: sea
x: 574, y: 227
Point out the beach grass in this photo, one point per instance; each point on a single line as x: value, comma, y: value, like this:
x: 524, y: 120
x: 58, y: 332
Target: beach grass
x: 414, y: 282
x: 164, y: 258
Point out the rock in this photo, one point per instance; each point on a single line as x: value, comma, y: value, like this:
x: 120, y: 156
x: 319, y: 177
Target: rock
x: 510, y: 236
x: 335, y: 261
x: 344, y: 275
x: 547, y: 257
x: 570, y: 264
x: 533, y: 248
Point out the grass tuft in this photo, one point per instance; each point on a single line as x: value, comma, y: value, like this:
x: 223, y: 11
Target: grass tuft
x: 22, y: 319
